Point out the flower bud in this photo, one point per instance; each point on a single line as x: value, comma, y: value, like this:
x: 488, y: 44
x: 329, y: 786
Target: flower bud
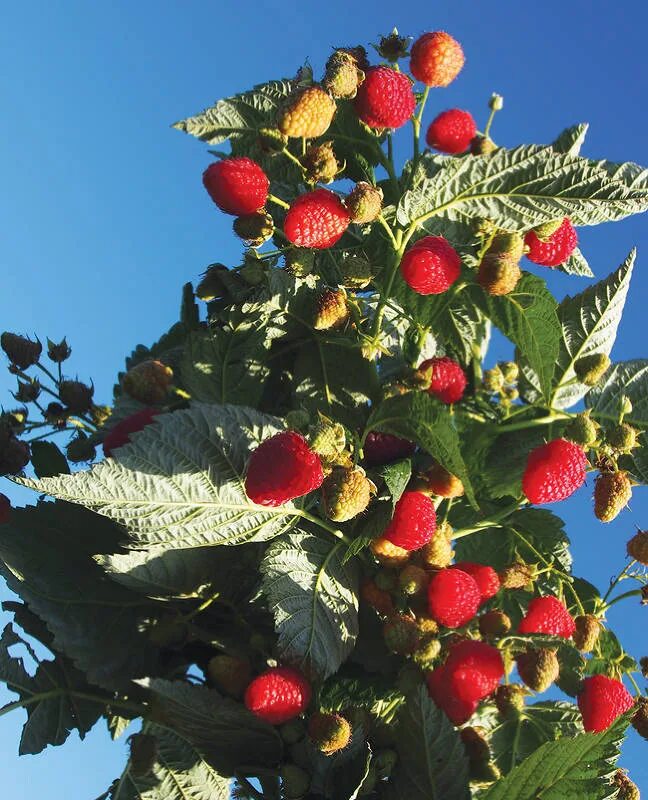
x: 393, y: 47
x: 21, y: 351
x: 58, y: 353
x: 28, y: 392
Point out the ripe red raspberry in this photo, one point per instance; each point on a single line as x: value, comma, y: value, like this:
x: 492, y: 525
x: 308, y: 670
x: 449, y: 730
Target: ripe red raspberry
x: 282, y: 468
x: 316, y: 219
x: 453, y: 597
x: 554, y: 471
x: 431, y: 266
x: 553, y: 249
x: 602, y: 701
x: 5, y: 509
x: 451, y: 131
x: 485, y: 577
x: 436, y: 59
x: 474, y: 670
x: 278, y: 695
x: 385, y: 98
x: 382, y: 448
x: 548, y: 615
x: 458, y: 711
x: 237, y: 185
x: 413, y: 522
x: 448, y: 379
x: 121, y: 433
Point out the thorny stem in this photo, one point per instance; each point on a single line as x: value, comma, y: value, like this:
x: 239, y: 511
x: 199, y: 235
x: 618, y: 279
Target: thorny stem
x: 618, y: 578
x: 632, y: 593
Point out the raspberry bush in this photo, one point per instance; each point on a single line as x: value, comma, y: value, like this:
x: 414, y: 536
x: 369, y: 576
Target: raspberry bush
x: 313, y: 542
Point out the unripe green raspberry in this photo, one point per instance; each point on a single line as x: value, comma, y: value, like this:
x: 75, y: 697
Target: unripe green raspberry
x: 230, y: 674
x: 327, y: 439
x: 298, y: 420
x: 582, y: 429
x: 638, y: 547
x: 21, y: 351
x: 517, y: 575
x: 148, y: 382
x: 640, y: 717
x: 386, y: 579
x: 438, y: 552
x: 330, y: 733
x: 590, y: 369
x: 510, y: 394
x: 332, y: 310
x: 612, y: 493
x: 476, y: 745
x: 170, y: 630
x: 538, y: 668
x: 295, y: 782
x: 401, y: 634
x: 254, y: 229
x: 100, y: 415
x: 293, y: 731
x: 389, y: 554
x: 509, y: 700
x: 356, y: 272
x: 211, y: 284
x: 14, y: 455
x: 427, y: 653
x: 307, y: 113
x: 76, y: 396
x: 622, y: 437
x: 320, y: 163
x: 510, y: 371
x: 343, y: 75
x: 427, y: 626
x: 299, y: 261
x: 346, y: 493
x: 364, y: 203
x: 588, y: 629
x: 482, y: 146
x: 493, y: 380
x: 494, y: 623
x: 627, y: 790
x: 80, y: 449
x: 545, y: 231
x: 413, y: 579
x: 499, y: 270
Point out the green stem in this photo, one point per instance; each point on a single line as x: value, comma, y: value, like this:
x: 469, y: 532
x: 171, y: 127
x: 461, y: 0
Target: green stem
x: 618, y: 578
x: 59, y: 692
x: 202, y: 607
x: 535, y: 423
x: 638, y: 691
x: 325, y: 526
x: 491, y: 522
x: 416, y: 128
x: 293, y: 158
x: 382, y: 221
x: 632, y: 593
x: 278, y: 201
x: 48, y: 373
x: 489, y: 123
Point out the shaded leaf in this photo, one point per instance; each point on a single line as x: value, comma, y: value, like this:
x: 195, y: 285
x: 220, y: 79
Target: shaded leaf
x: 48, y: 460
x: 396, y: 477
x: 629, y: 379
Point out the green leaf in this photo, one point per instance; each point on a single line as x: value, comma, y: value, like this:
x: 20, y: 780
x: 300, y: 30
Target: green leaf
x: 224, y: 365
x: 95, y: 622
x: 375, y: 693
x: 432, y: 763
x: 609, y: 652
x: 396, y: 477
x: 239, y: 115
x: 180, y: 772
x: 521, y: 188
x: 629, y: 379
x: 224, y: 731
x: 180, y: 483
x: 577, y: 264
x: 48, y: 460
x: 313, y: 597
x: 507, y: 458
x: 571, y: 139
x: 335, y: 380
x: 418, y: 417
x: 569, y: 769
x: 50, y: 697
x: 589, y: 323
x: 527, y: 316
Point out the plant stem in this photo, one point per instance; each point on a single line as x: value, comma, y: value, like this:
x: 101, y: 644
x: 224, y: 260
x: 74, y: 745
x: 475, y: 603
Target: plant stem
x: 293, y: 158
x: 535, y: 423
x: 632, y: 593
x: 489, y: 123
x: 382, y: 221
x: 325, y: 526
x: 618, y: 578
x: 416, y: 128
x: 490, y: 522
x: 202, y: 607
x: 278, y: 201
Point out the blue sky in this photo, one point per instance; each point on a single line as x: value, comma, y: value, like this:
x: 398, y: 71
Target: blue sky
x: 104, y: 215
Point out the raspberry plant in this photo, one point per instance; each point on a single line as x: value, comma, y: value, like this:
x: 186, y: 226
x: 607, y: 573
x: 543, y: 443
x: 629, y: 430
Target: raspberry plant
x: 312, y: 558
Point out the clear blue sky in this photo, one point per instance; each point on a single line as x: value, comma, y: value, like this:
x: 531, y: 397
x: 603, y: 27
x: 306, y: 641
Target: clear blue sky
x: 103, y: 215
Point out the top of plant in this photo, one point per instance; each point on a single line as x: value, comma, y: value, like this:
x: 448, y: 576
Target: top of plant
x: 311, y: 557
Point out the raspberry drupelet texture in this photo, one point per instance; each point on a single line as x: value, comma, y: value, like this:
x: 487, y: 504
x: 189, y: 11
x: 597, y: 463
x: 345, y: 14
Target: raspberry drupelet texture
x: 122, y: 432
x: 436, y: 59
x: 237, y: 185
x: 451, y: 131
x: 316, y: 219
x: 382, y: 448
x: 413, y: 522
x: 554, y: 471
x: 548, y: 615
x: 448, y: 379
x: 474, y: 670
x: 602, y: 701
x: 458, y: 711
x: 385, y: 98
x: 282, y: 468
x: 431, y: 266
x: 485, y: 577
x: 278, y: 695
x: 308, y: 113
x: 453, y: 597
x: 554, y: 249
